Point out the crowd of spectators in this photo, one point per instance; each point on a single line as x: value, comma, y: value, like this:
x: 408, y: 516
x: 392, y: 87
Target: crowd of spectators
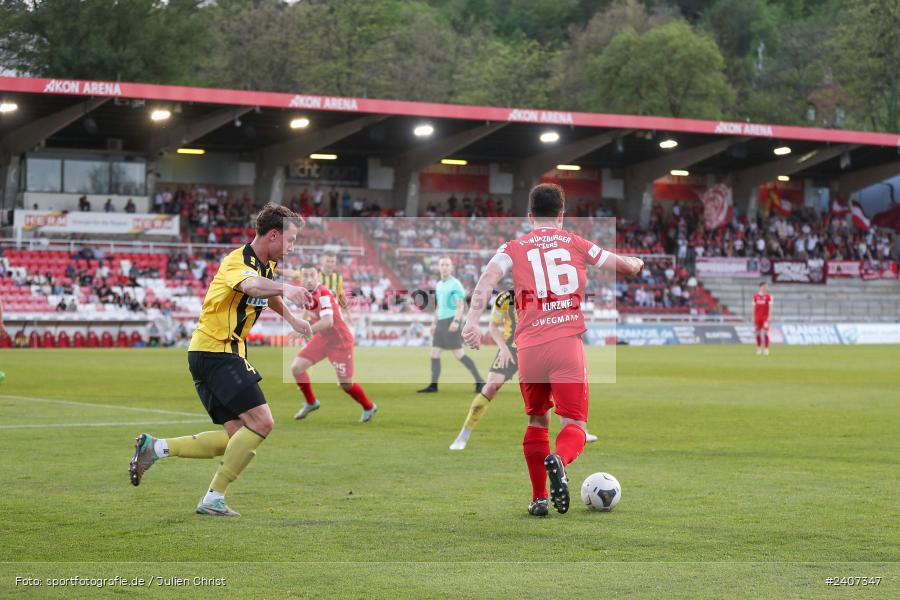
x: 803, y: 235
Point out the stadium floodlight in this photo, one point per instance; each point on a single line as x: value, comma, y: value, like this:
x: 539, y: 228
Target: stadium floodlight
x: 549, y: 137
x: 299, y: 123
x: 198, y: 151
x: 568, y: 167
x: 160, y: 114
x: 8, y: 107
x: 679, y: 173
x: 323, y: 156
x: 423, y: 130
x: 781, y: 150
x: 454, y: 161
x: 668, y: 144
x: 783, y: 178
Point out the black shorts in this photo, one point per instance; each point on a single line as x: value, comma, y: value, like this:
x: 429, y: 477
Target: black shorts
x: 227, y: 384
x: 446, y: 339
x: 510, y: 368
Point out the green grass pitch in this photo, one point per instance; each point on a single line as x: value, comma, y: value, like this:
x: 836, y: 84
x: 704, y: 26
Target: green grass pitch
x: 743, y: 476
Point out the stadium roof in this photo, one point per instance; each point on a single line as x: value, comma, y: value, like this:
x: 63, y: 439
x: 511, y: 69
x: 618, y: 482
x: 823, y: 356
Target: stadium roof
x: 251, y: 122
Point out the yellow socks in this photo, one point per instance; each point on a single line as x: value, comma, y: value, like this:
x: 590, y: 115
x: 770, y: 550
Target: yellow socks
x: 240, y: 451
x: 479, y: 405
x: 203, y: 445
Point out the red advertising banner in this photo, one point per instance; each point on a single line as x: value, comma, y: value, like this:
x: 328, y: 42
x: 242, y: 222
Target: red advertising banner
x: 455, y: 178
x: 670, y: 187
x: 878, y: 269
x: 586, y: 182
x: 799, y: 271
x: 781, y: 197
x: 844, y: 268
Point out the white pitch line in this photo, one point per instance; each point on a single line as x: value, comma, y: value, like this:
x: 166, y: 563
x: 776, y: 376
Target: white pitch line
x: 111, y: 406
x: 122, y: 424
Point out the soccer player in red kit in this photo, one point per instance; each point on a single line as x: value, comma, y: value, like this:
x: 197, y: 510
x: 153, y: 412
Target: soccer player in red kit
x: 549, y: 274
x: 762, y: 312
x: 331, y: 339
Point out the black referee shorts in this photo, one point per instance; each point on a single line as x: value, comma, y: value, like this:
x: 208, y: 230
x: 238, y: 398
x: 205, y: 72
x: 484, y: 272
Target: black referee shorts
x: 446, y: 339
x: 227, y: 384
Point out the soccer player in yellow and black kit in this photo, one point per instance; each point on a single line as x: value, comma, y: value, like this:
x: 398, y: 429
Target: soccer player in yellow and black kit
x: 228, y: 385
x: 502, y: 330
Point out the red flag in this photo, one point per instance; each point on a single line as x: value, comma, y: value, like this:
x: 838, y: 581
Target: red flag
x: 859, y: 217
x: 717, y: 206
x: 839, y: 209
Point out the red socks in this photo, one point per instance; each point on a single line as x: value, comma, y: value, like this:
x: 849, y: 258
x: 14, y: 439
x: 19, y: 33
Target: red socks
x: 537, y: 446
x: 569, y: 443
x: 356, y: 392
x: 305, y: 385
x: 758, y: 341
x: 767, y: 339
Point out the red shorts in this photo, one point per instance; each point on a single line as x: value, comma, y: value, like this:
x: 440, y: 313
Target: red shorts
x: 555, y: 369
x: 338, y: 354
x: 759, y: 324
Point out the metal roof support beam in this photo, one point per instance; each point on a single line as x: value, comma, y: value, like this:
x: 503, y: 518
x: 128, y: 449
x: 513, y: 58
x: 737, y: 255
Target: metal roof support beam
x: 307, y: 142
x: 639, y: 178
x: 528, y: 171
x: 272, y: 160
x: 746, y: 181
x: 850, y: 183
x: 28, y: 136
x: 407, y: 165
x: 185, y: 133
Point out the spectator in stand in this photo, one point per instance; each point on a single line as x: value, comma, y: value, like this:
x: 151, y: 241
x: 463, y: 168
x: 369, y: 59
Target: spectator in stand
x: 84, y: 205
x: 130, y: 207
x: 108, y: 207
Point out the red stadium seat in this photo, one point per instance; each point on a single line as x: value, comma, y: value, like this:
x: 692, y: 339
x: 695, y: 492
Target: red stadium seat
x: 34, y: 340
x: 49, y: 340
x: 122, y: 340
x: 106, y: 340
x: 92, y: 340
x: 6, y: 342
x: 136, y: 338
x: 62, y: 340
x: 77, y: 340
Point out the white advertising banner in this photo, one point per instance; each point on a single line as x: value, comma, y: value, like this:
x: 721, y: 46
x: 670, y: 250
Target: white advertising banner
x: 869, y: 333
x: 728, y: 267
x: 61, y: 222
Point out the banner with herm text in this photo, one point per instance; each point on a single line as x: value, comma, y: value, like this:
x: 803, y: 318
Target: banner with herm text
x: 54, y: 222
x: 716, y: 266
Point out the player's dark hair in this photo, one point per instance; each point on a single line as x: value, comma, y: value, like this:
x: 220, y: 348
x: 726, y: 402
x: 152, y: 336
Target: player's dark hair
x: 762, y: 284
x: 546, y: 200
x: 329, y: 254
x: 275, y: 216
x: 309, y: 265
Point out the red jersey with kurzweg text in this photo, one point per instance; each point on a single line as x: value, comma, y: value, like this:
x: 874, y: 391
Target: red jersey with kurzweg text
x: 761, y: 304
x: 549, y: 274
x: 324, y: 304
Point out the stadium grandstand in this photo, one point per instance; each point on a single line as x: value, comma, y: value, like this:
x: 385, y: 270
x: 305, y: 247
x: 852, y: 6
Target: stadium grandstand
x: 119, y: 200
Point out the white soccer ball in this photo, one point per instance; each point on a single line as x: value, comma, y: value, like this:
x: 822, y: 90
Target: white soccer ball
x: 601, y: 491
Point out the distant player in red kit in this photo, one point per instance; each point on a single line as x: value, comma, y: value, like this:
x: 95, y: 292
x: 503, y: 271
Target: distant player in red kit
x: 549, y: 274
x: 762, y: 312
x: 332, y: 340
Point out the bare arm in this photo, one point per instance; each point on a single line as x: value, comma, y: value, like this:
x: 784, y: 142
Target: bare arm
x: 261, y: 287
x: 481, y: 298
x: 497, y: 335
x: 297, y: 324
x: 326, y: 322
x: 623, y: 265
